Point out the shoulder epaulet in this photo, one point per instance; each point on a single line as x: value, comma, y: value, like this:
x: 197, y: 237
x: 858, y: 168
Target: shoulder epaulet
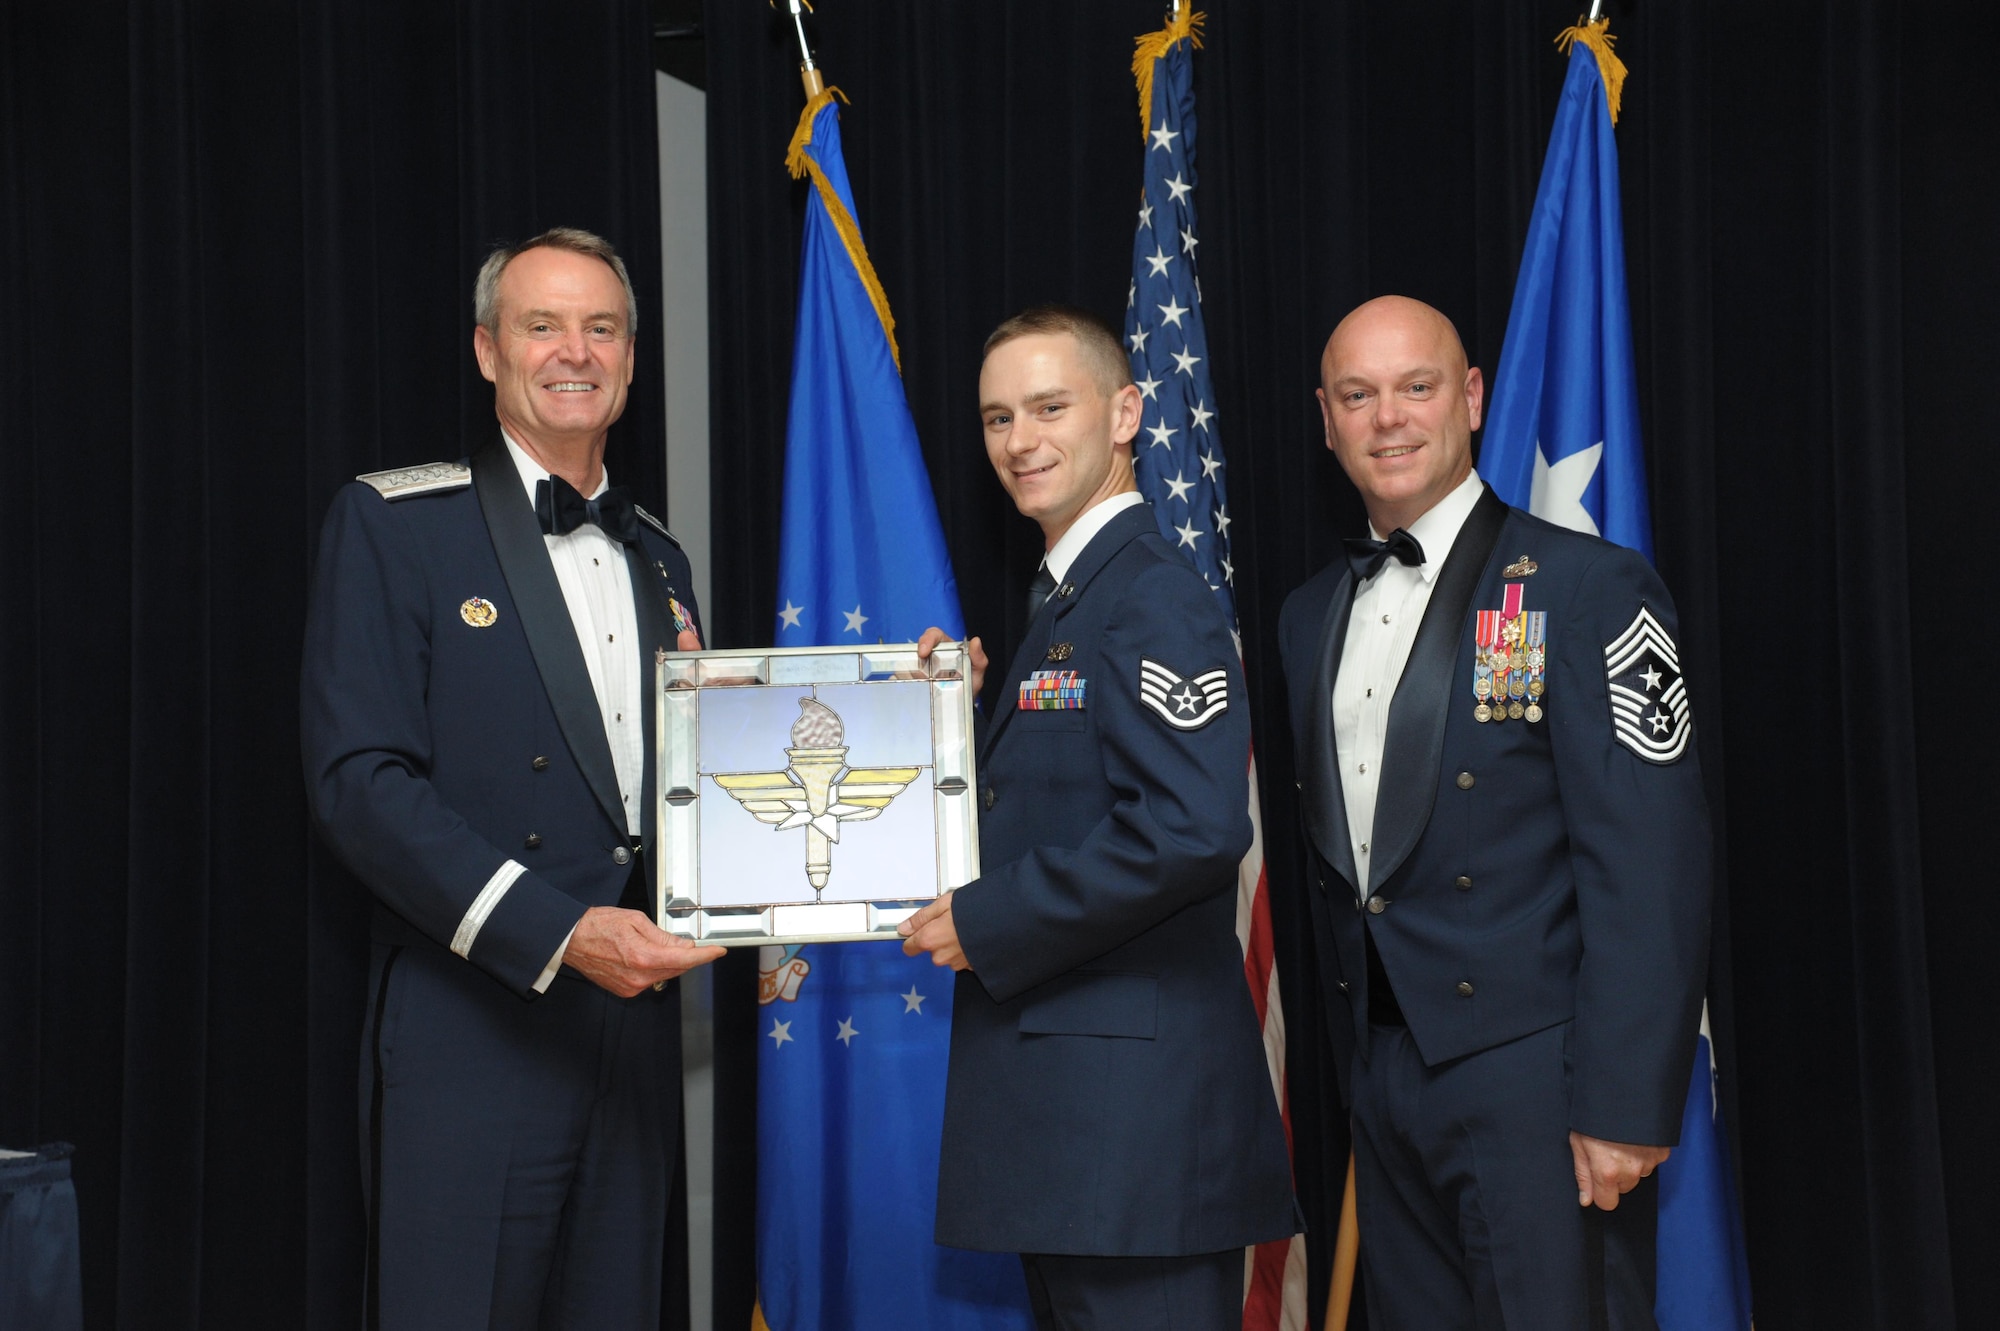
x: 656, y: 525
x: 402, y: 482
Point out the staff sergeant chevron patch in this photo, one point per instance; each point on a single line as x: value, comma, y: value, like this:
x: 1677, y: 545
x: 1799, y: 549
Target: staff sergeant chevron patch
x: 1184, y: 704
x: 1649, y: 706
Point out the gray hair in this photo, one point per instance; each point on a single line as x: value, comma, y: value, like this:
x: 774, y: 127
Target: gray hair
x: 486, y: 288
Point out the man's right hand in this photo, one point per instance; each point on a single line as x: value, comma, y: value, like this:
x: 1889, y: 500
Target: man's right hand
x: 623, y: 952
x: 975, y: 655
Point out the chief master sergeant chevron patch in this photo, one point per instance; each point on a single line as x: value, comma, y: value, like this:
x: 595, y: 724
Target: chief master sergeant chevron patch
x: 1649, y: 706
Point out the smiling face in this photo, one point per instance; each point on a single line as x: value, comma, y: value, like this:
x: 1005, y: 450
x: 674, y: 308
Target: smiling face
x: 1400, y: 407
x: 1060, y: 442
x: 561, y: 359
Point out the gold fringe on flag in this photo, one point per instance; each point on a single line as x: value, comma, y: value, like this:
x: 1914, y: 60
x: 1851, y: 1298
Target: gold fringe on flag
x: 1154, y: 45
x: 799, y: 163
x: 1597, y: 36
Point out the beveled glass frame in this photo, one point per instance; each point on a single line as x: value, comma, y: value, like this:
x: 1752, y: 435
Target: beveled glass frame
x: 806, y: 785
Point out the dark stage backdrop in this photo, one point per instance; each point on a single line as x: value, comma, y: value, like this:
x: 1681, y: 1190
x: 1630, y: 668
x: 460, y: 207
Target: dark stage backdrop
x: 240, y: 239
x: 1810, y: 197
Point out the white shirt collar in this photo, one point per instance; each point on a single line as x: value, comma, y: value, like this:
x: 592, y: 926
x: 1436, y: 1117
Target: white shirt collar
x: 1090, y: 522
x: 1437, y: 529
x: 532, y: 471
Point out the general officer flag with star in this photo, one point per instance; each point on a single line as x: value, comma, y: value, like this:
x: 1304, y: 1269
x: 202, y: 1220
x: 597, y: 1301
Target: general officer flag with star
x: 1177, y: 461
x: 1562, y: 441
x: 853, y: 1036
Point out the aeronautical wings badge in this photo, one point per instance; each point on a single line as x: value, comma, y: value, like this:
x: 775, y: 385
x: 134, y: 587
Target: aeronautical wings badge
x: 818, y: 791
x: 1649, y: 706
x: 1184, y: 704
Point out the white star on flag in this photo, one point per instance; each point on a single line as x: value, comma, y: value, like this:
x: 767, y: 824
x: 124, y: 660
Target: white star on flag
x: 1188, y: 534
x: 1148, y: 386
x: 780, y: 1032
x: 855, y: 619
x: 1138, y: 340
x: 1159, y: 258
x: 1185, y: 362
x: 1161, y: 433
x: 912, y: 1002
x: 790, y: 614
x: 1556, y: 494
x: 846, y: 1033
x: 1178, y: 488
x: 1172, y: 312
x: 1163, y: 138
x: 1179, y: 187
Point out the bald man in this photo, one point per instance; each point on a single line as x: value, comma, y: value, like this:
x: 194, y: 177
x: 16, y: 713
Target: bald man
x: 1510, y: 855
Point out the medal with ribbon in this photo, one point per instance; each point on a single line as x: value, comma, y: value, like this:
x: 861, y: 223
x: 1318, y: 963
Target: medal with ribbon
x: 1538, y: 655
x: 1485, y: 633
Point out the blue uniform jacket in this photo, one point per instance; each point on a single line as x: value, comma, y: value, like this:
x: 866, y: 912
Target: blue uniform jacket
x: 1525, y: 874
x: 1108, y: 1093
x: 439, y: 746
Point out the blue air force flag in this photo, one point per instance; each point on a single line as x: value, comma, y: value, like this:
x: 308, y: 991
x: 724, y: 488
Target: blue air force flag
x: 1562, y: 426
x: 853, y: 1036
x: 1562, y: 441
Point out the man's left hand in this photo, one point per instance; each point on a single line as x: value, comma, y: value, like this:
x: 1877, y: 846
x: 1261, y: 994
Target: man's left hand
x: 932, y: 930
x: 1605, y: 1171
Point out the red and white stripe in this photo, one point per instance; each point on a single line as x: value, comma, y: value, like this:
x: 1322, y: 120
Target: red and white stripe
x: 1274, y: 1274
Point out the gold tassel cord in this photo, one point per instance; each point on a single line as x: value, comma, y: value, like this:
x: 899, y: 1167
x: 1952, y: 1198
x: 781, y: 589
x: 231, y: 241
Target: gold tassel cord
x: 800, y: 163
x: 1597, y: 36
x: 1154, y: 45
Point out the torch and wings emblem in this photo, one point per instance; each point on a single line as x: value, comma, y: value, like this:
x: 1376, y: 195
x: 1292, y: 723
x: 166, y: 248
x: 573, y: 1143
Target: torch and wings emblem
x: 818, y: 791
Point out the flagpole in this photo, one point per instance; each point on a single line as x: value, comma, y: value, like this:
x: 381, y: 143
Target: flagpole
x: 808, y: 72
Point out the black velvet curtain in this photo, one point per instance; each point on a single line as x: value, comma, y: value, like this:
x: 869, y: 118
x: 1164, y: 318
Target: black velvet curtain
x: 238, y: 242
x: 1810, y: 198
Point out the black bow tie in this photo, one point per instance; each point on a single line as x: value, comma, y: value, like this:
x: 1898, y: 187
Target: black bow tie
x: 1367, y: 557
x: 561, y: 510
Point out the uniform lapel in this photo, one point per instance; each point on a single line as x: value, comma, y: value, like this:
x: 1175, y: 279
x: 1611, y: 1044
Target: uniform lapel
x: 1326, y: 804
x: 538, y: 599
x: 656, y: 633
x: 1128, y: 526
x: 1413, y: 744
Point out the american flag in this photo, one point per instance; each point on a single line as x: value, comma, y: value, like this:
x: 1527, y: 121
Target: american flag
x: 1178, y: 457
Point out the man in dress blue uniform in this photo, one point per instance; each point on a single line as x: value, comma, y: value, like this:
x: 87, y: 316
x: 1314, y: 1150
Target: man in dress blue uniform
x: 474, y: 725
x: 1511, y: 862
x: 1108, y: 1113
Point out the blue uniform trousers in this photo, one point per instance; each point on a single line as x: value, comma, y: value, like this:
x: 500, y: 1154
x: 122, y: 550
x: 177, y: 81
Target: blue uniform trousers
x: 1466, y: 1194
x: 510, y: 1145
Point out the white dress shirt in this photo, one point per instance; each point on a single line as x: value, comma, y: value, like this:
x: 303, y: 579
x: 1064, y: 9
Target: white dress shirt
x: 1380, y: 631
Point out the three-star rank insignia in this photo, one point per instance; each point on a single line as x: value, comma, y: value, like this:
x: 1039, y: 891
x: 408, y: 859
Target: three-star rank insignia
x: 1649, y: 706
x: 1184, y: 704
x: 478, y: 612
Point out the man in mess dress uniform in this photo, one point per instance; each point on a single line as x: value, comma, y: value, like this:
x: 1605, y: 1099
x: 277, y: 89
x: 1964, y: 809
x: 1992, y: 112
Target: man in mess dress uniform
x: 1108, y: 1113
x: 1510, y: 862
x: 475, y: 717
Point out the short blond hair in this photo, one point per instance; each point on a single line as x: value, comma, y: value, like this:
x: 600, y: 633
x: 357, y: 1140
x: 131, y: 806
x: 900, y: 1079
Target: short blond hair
x: 1101, y: 348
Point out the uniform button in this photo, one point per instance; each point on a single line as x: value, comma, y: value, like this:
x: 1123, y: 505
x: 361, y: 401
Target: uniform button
x: 620, y: 855
x: 1465, y: 781
x: 540, y: 764
x: 1462, y: 883
x: 534, y: 840
x: 1342, y: 986
x: 987, y: 797
x: 1465, y: 988
x: 1376, y: 905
